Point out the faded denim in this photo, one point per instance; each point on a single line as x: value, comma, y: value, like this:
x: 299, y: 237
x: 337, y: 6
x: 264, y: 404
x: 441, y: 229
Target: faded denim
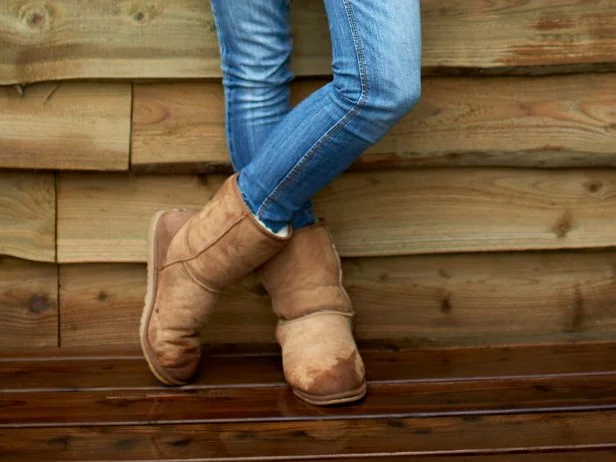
x: 285, y: 156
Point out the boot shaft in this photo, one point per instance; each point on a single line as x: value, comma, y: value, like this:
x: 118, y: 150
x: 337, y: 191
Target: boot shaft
x: 223, y: 242
x: 306, y: 276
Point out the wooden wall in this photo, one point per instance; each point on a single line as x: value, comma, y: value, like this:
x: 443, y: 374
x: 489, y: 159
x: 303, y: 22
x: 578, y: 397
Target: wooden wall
x: 486, y: 216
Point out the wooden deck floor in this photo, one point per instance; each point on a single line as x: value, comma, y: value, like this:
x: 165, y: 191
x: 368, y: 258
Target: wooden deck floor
x: 523, y: 403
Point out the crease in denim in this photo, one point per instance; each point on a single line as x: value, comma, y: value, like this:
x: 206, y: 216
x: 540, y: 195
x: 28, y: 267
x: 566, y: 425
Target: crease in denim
x: 339, y: 125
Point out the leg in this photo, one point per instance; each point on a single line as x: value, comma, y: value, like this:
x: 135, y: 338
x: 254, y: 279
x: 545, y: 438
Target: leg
x: 194, y: 255
x: 377, y: 67
x: 255, y: 49
x: 376, y: 81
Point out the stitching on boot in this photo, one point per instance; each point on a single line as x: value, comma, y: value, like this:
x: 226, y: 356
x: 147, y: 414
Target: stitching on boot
x: 339, y: 264
x: 198, y: 282
x: 211, y: 243
x: 315, y: 314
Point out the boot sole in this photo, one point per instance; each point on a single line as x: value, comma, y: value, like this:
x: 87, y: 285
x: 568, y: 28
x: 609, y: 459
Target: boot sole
x: 340, y: 398
x: 149, y: 302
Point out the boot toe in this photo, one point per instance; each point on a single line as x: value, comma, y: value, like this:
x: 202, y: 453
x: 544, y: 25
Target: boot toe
x: 320, y: 359
x: 173, y: 362
x: 327, y: 378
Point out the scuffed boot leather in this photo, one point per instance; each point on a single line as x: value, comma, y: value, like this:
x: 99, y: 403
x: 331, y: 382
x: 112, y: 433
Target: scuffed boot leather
x: 193, y: 256
x: 320, y: 358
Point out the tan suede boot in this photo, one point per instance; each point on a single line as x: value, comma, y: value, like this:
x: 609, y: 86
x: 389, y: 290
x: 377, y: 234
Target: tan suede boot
x: 320, y: 358
x: 193, y: 256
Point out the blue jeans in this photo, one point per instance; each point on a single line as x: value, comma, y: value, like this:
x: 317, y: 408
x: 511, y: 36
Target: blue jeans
x: 285, y: 156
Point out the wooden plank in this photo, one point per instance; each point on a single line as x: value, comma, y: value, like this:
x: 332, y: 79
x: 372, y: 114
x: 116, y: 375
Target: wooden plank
x: 423, y: 436
x: 101, y: 305
x: 28, y: 304
x: 28, y: 215
x: 99, y: 313
x: 179, y: 127
x: 474, y: 299
x: 583, y: 454
x: 178, y: 39
x: 560, y: 121
x: 114, y: 40
x: 486, y: 298
x: 371, y: 214
x: 453, y: 210
x: 263, y: 403
x: 73, y: 126
x: 123, y: 207
x: 77, y: 368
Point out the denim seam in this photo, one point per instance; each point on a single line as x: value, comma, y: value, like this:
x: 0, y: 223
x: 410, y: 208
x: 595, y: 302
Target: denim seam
x: 327, y: 136
x: 228, y: 122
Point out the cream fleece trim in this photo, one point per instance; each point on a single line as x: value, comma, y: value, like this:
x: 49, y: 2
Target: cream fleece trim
x: 284, y: 232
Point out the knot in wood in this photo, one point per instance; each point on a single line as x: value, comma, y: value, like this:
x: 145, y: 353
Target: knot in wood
x: 36, y: 17
x: 446, y: 305
x: 139, y: 17
x: 142, y: 13
x: 563, y: 225
x: 593, y: 186
x: 102, y: 296
x: 39, y: 304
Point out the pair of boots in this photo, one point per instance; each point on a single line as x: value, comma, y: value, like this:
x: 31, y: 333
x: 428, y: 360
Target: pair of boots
x: 194, y: 255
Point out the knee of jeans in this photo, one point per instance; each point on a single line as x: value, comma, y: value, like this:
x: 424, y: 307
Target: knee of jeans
x: 394, y: 96
x: 347, y: 91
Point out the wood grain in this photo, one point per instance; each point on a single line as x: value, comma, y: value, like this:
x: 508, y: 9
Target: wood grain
x: 71, y: 126
x: 28, y: 215
x: 102, y: 304
x: 474, y: 299
x: 423, y: 436
x: 69, y: 39
x: 178, y: 39
x: 271, y: 403
x: 560, y: 121
x: 95, y: 312
x: 575, y: 454
x: 179, y: 127
x: 28, y: 304
x: 104, y: 218
x: 486, y: 404
x: 91, y: 369
x: 455, y: 210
